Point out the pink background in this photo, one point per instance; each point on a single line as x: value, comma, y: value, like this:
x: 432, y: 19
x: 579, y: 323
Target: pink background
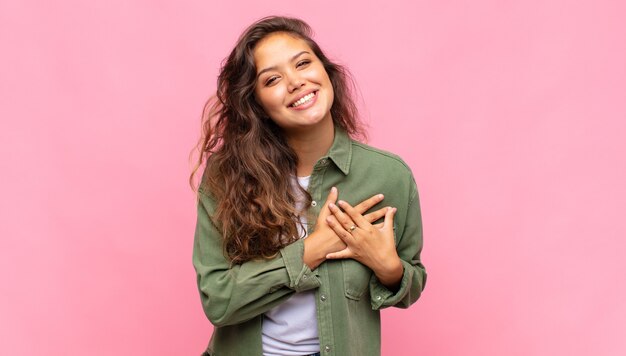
x: 511, y: 114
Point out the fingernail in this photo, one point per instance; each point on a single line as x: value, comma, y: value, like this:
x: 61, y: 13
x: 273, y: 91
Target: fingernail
x: 341, y: 202
x: 380, y: 196
x: 331, y: 205
x: 333, y: 189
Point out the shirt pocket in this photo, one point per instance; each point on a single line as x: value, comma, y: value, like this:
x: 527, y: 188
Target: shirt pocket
x: 356, y: 278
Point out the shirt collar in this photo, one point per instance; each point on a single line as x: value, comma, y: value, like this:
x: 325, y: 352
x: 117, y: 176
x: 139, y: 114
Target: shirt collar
x: 341, y: 150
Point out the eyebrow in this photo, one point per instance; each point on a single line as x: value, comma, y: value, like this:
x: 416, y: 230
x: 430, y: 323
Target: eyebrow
x: 274, y: 67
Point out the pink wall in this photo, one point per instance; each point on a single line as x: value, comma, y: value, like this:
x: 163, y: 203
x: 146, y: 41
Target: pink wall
x: 511, y: 114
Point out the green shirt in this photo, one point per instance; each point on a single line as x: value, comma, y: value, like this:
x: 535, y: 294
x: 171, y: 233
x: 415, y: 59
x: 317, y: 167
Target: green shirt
x: 348, y: 294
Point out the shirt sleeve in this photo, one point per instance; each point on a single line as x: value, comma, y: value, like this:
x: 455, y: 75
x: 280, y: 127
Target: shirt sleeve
x: 409, y: 247
x: 232, y: 294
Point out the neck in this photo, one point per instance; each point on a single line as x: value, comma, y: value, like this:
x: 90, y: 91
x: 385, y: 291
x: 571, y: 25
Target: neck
x: 311, y: 145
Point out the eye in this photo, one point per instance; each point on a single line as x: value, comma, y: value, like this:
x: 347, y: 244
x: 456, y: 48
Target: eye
x: 303, y: 62
x: 270, y: 80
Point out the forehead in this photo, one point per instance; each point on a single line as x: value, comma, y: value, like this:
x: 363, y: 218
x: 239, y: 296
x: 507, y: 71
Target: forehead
x: 277, y: 48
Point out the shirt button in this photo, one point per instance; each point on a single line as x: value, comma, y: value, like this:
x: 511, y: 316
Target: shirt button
x: 305, y: 277
x: 327, y: 348
x: 314, y: 203
x: 323, y: 161
x: 323, y: 297
x: 379, y: 298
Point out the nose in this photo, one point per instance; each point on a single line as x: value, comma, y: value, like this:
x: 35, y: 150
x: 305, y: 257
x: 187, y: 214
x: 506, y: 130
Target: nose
x: 295, y: 82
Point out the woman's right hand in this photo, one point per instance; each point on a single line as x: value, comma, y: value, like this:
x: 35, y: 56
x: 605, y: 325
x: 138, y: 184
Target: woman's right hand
x: 324, y: 239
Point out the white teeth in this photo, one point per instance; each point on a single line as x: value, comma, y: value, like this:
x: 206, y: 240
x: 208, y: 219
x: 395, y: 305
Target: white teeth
x: 303, y: 100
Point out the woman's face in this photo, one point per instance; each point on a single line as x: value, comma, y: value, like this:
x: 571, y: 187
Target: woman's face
x: 292, y: 85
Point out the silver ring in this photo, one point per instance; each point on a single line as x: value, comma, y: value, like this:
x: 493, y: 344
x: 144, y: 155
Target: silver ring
x: 352, y: 228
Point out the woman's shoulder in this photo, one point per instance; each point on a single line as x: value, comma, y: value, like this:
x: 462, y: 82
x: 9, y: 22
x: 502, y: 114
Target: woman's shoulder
x: 387, y: 171
x: 375, y: 157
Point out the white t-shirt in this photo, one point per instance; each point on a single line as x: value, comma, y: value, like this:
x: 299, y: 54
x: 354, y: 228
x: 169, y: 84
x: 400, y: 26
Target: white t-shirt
x: 290, y: 329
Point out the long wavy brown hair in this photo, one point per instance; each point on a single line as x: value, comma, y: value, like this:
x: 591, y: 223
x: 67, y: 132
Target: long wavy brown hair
x: 246, y: 158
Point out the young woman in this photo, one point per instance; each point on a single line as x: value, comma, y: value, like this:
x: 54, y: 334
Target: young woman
x: 294, y: 251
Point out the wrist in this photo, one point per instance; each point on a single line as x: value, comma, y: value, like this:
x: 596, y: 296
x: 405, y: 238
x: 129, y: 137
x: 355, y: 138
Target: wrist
x: 313, y: 255
x: 391, y: 274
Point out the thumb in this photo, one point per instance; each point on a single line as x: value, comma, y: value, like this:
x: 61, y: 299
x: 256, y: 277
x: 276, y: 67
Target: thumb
x: 345, y: 253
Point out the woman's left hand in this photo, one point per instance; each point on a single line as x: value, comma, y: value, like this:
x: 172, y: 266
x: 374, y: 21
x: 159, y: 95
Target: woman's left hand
x: 372, y: 245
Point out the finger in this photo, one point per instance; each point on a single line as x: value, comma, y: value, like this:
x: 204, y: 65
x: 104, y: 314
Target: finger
x: 332, y: 198
x: 332, y: 218
x: 344, y: 235
x: 388, y: 223
x: 367, y: 204
x: 358, y: 219
x: 379, y: 225
x: 345, y: 253
x: 373, y: 216
x: 342, y: 218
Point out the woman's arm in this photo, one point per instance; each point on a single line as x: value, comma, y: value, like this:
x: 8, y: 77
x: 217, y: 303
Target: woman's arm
x: 231, y: 294
x: 409, y: 245
x: 399, y: 276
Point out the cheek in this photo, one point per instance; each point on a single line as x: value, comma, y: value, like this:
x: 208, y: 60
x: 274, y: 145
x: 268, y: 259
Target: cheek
x: 321, y: 76
x: 331, y: 90
x: 264, y: 100
x: 272, y: 99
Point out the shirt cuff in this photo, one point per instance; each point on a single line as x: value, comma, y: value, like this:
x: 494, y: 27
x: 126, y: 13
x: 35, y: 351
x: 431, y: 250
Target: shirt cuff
x: 301, y: 277
x: 382, y: 296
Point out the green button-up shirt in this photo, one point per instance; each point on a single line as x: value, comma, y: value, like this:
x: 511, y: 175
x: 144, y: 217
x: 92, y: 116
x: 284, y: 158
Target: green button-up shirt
x: 348, y: 294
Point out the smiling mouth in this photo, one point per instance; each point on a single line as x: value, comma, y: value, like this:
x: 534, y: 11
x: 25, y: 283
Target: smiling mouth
x: 305, y: 99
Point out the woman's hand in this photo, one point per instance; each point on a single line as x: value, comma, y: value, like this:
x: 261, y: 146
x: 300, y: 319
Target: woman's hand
x: 372, y: 245
x: 324, y: 240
